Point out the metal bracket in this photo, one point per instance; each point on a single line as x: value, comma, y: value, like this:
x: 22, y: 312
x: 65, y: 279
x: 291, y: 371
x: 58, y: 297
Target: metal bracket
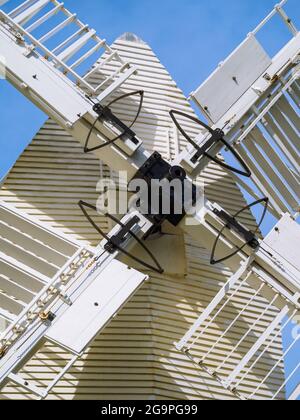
x: 232, y: 223
x: 157, y: 169
x: 114, y: 243
x: 106, y: 114
x: 47, y: 317
x: 217, y: 135
x: 117, y: 240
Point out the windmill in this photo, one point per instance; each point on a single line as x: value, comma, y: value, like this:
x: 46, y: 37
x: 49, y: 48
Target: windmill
x: 254, y: 117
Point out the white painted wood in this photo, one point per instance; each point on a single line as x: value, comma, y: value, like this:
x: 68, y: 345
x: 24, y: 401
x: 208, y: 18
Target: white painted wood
x: 58, y: 57
x: 29, y: 226
x: 95, y: 307
x: 269, y: 107
x: 295, y: 394
x: 23, y: 17
x: 19, y: 9
x: 214, y: 303
x: 69, y: 52
x: 30, y: 256
x: 232, y: 79
x: 273, y: 326
x: 57, y: 28
x: 44, y: 18
x: 24, y: 383
x: 284, y: 240
x: 135, y: 356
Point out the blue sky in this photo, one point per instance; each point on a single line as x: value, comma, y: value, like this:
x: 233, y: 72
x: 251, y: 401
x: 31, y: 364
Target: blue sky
x: 189, y: 36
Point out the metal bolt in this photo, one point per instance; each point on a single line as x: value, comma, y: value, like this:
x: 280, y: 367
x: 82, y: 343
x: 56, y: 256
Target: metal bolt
x: 44, y: 316
x: 267, y: 77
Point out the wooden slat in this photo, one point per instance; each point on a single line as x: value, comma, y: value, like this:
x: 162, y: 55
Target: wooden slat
x: 35, y: 247
x: 285, y: 125
x: 287, y: 109
x: 269, y: 174
x: 275, y: 158
x: 23, y: 17
x: 69, y: 52
x: 27, y: 258
x: 44, y: 18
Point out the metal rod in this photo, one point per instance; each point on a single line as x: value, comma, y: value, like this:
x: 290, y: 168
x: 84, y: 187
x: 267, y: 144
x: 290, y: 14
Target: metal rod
x: 60, y: 375
x: 248, y: 332
x: 57, y: 29
x: 216, y: 301
x: 286, y: 381
x: 218, y: 312
x: 270, y: 16
x: 44, y: 18
x: 259, y: 343
x: 235, y: 320
x: 269, y: 106
x: 276, y: 365
x: 267, y: 347
x: 292, y: 28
